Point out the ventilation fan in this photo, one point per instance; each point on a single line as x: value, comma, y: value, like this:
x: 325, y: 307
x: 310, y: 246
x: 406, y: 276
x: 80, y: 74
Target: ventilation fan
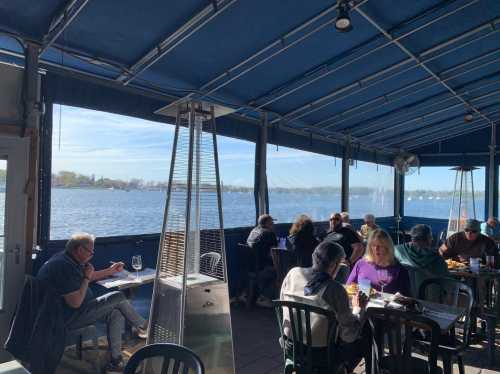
x: 406, y: 163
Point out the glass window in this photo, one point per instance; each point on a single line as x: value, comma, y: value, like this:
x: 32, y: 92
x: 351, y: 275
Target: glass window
x: 429, y: 192
x: 302, y: 182
x: 371, y: 189
x: 236, y: 169
x: 109, y: 173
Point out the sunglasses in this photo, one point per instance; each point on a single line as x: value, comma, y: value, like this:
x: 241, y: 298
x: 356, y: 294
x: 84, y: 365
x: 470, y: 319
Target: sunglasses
x: 471, y: 231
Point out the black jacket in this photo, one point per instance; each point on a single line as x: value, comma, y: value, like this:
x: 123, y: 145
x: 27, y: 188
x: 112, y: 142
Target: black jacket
x: 37, y: 334
x: 303, y: 245
x: 261, y: 240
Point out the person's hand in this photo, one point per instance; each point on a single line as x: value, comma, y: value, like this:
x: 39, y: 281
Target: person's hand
x: 116, y: 267
x: 360, y: 300
x: 88, y: 271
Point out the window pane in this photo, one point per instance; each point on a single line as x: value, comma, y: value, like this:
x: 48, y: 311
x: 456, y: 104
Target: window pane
x: 109, y: 173
x: 371, y: 189
x: 236, y: 168
x: 302, y: 182
x: 429, y: 192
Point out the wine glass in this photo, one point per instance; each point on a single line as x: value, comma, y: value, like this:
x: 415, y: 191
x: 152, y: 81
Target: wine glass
x: 383, y: 278
x: 137, y: 264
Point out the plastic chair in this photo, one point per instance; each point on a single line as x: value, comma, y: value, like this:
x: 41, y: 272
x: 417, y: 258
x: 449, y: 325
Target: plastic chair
x: 298, y: 350
x: 455, y: 293
x: 174, y: 357
x: 398, y: 327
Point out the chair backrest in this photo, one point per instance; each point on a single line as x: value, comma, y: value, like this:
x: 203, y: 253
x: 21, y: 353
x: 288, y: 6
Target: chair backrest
x: 209, y: 262
x: 398, y: 327
x: 176, y: 358
x: 301, y: 343
x: 450, y: 292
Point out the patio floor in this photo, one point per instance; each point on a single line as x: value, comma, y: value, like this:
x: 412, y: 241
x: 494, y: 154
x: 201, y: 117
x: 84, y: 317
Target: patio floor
x: 256, y: 348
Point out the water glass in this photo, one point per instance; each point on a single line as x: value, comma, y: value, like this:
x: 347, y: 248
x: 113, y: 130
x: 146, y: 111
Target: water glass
x: 474, y: 264
x: 365, y: 286
x: 137, y: 264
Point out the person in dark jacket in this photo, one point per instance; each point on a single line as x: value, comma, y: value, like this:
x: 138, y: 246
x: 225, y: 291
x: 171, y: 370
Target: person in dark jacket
x: 349, y: 240
x: 261, y: 239
x: 70, y: 273
x: 37, y: 334
x: 302, y: 240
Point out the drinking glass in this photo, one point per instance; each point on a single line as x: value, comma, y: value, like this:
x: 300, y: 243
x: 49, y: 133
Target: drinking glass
x: 137, y: 264
x: 383, y: 278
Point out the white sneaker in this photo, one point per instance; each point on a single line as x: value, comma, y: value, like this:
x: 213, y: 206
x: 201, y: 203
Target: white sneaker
x: 264, y: 302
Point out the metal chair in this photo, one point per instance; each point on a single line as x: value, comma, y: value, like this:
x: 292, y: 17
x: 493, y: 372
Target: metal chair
x: 176, y: 358
x: 80, y: 334
x: 246, y: 253
x: 454, y: 293
x: 398, y: 327
x: 298, y: 350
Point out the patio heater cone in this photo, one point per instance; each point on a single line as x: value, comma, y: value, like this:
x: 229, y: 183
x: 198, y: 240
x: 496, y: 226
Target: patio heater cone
x: 463, y: 203
x: 190, y: 304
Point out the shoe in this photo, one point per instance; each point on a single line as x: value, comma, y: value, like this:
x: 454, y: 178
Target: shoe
x: 142, y: 333
x: 264, y: 302
x: 243, y: 298
x: 115, y: 365
x: 233, y: 300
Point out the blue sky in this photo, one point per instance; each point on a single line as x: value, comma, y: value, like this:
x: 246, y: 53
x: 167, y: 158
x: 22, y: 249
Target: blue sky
x: 120, y: 147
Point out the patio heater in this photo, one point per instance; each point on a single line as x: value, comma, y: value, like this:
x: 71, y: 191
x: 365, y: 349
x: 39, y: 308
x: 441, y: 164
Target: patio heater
x: 190, y: 304
x: 463, y: 204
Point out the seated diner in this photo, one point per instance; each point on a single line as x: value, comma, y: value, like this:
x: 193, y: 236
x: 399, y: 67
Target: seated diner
x: 380, y: 267
x: 317, y: 285
x: 302, y: 241
x: 261, y: 239
x: 491, y: 229
x: 420, y: 256
x: 70, y: 273
x: 368, y: 226
x: 467, y: 244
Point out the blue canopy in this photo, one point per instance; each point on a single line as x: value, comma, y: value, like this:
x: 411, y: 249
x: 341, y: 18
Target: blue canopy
x: 409, y: 75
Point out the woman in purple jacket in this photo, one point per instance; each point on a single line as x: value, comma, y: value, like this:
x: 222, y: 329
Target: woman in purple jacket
x: 380, y: 267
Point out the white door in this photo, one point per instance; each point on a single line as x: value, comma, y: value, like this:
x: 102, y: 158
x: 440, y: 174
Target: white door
x: 13, y: 178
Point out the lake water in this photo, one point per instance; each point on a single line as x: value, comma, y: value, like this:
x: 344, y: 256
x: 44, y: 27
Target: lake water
x: 117, y: 212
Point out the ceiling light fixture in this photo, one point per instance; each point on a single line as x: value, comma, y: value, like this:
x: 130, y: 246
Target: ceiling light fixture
x: 468, y: 117
x: 343, y: 22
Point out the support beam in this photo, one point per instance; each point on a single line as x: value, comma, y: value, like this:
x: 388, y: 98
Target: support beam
x: 32, y: 114
x: 398, y: 195
x: 61, y: 22
x: 492, y: 172
x: 346, y: 162
x: 387, y: 119
x: 168, y: 44
x: 418, y: 61
x: 383, y: 75
x: 442, y: 128
x: 358, y: 53
x: 260, y: 183
x: 391, y: 131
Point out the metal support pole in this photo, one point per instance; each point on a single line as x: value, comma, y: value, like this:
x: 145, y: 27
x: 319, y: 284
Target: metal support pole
x: 492, y: 173
x: 346, y: 159
x: 32, y: 111
x: 398, y: 195
x: 263, y: 206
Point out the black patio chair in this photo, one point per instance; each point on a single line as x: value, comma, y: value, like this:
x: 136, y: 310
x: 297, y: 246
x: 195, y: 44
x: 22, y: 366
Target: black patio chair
x: 176, y: 358
x: 246, y: 252
x: 454, y: 293
x: 398, y: 327
x: 299, y: 354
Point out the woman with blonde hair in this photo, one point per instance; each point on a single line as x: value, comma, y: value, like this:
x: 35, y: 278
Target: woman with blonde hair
x: 302, y: 240
x: 380, y: 266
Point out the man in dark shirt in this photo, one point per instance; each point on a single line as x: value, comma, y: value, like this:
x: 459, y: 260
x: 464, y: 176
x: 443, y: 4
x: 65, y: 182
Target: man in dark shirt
x: 349, y: 240
x: 69, y: 273
x: 469, y: 243
x: 261, y: 239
